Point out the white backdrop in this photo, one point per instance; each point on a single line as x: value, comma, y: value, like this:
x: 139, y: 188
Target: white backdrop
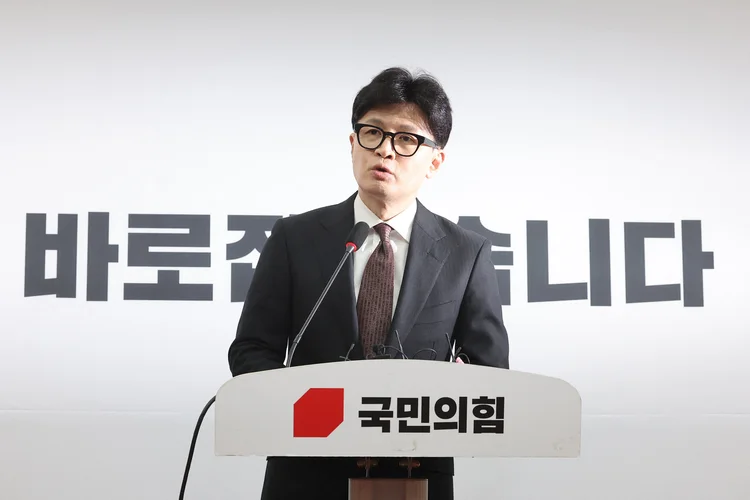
x: 630, y: 112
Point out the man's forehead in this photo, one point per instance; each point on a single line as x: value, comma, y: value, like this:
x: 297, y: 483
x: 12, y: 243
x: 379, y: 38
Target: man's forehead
x: 402, y: 118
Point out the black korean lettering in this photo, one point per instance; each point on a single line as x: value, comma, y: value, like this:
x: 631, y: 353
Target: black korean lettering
x: 489, y: 415
x: 254, y: 228
x: 694, y: 261
x: 100, y: 254
x: 64, y: 244
x: 537, y: 254
x: 410, y: 408
x: 446, y: 409
x: 499, y: 257
x: 376, y: 418
x: 168, y: 285
x: 600, y: 262
x: 636, y: 290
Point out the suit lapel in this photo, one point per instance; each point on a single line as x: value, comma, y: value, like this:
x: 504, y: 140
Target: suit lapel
x: 427, y: 253
x: 330, y: 249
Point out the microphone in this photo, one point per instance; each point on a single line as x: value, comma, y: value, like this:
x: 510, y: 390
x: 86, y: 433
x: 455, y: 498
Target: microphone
x: 379, y: 350
x: 456, y: 356
x: 451, y: 349
x: 400, y: 347
x: 346, y: 358
x: 356, y: 238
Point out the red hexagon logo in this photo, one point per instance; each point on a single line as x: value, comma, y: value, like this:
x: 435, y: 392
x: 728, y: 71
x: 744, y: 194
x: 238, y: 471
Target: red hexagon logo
x: 318, y: 412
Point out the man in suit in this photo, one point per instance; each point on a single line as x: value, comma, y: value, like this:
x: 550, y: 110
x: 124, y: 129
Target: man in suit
x: 417, y: 274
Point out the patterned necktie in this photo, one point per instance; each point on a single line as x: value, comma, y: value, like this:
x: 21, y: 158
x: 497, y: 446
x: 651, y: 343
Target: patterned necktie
x: 375, y: 301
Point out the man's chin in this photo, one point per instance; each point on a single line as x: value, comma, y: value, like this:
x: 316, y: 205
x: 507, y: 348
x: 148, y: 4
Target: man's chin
x: 379, y: 189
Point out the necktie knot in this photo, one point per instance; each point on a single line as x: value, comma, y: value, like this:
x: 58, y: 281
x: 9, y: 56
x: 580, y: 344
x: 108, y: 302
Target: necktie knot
x: 384, y: 231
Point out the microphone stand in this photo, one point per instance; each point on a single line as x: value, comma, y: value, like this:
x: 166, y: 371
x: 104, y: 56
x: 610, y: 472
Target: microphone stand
x: 349, y: 250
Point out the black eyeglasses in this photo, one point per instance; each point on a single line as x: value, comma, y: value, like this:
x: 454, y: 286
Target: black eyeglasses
x: 403, y: 143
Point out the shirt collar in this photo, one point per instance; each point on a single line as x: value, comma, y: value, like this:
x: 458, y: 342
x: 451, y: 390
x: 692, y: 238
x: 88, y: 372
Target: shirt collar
x: 402, y: 223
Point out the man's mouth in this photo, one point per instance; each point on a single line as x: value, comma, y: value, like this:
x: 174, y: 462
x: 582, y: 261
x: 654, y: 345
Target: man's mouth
x: 381, y: 168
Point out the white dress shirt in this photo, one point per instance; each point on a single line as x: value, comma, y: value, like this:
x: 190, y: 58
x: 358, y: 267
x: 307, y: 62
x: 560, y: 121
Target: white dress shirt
x: 401, y: 224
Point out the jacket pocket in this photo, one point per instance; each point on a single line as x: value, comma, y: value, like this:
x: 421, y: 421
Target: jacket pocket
x: 436, y: 313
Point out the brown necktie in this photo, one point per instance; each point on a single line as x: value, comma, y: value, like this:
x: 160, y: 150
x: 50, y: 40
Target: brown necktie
x: 375, y: 301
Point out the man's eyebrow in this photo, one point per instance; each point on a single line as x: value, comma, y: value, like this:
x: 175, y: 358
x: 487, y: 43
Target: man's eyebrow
x: 405, y: 127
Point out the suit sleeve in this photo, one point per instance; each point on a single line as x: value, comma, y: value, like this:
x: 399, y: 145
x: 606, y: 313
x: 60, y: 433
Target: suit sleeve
x: 264, y: 325
x: 480, y: 330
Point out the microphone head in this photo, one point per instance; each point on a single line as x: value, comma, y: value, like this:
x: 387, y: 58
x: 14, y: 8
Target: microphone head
x: 357, y: 236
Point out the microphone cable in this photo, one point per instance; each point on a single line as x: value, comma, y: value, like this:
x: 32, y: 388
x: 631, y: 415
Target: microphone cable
x: 356, y: 238
x: 197, y: 430
x: 192, y: 445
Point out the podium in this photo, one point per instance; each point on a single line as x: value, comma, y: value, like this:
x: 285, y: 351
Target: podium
x: 396, y: 408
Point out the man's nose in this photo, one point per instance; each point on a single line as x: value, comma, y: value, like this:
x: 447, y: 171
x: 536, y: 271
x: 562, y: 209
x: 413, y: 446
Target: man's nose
x: 385, y: 149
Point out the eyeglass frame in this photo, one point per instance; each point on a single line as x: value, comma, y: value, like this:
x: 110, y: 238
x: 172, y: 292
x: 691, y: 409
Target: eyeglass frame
x: 420, y: 139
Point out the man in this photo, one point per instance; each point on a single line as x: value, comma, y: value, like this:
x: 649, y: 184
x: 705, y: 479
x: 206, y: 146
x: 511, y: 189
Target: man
x: 417, y: 274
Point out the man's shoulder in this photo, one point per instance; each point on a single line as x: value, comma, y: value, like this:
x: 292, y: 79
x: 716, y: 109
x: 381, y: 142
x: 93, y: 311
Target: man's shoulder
x: 317, y: 215
x: 458, y: 236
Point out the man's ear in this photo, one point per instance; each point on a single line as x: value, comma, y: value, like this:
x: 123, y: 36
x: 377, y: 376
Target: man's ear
x: 436, y: 163
x: 351, y: 141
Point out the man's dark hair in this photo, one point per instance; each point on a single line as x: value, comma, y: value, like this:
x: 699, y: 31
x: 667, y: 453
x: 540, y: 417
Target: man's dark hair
x: 399, y: 86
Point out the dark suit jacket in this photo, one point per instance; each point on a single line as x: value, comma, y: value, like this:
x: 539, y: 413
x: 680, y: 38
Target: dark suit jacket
x: 449, y: 286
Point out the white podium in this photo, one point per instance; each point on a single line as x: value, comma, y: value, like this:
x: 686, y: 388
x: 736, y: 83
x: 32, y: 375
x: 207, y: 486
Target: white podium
x: 396, y: 408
